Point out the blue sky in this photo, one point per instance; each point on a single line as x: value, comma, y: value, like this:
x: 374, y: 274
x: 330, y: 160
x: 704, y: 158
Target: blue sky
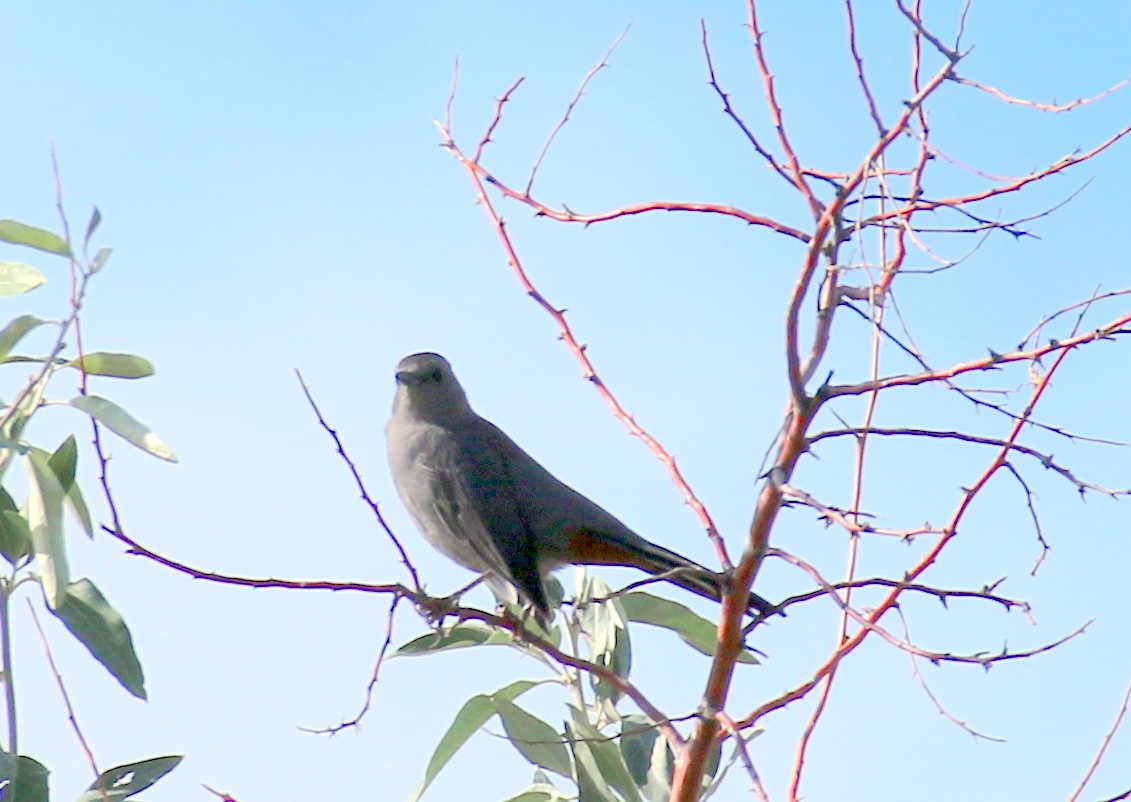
x: 272, y: 184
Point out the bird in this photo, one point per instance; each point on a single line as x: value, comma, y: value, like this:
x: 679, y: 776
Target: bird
x: 483, y: 502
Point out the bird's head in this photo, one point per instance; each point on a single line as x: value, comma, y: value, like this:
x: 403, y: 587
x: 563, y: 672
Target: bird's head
x: 427, y: 388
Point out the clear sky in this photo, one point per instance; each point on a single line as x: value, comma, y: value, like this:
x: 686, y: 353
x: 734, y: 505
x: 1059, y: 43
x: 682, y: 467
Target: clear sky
x: 272, y: 184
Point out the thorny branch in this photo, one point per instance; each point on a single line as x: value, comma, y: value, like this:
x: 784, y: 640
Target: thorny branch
x: 893, y: 224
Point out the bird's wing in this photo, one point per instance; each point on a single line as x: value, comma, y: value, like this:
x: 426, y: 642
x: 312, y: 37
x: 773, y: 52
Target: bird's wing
x: 492, y: 509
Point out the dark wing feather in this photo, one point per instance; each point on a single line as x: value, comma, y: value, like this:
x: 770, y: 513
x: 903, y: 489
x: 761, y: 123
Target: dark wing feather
x: 488, y: 486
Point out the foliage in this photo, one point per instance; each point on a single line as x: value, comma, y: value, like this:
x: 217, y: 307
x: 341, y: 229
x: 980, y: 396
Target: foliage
x: 33, y: 534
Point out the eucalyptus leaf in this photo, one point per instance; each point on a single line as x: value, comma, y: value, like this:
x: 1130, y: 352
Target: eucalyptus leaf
x: 41, y: 239
x: 696, y: 631
x: 461, y: 636
x: 123, y: 424
x: 540, y: 792
x: 118, y: 366
x: 31, y: 781
x: 99, y: 260
x: 101, y: 629
x: 605, y: 626
x: 474, y: 714
x: 15, y: 539
x: 535, y: 740
x: 124, y: 781
x: 591, y: 785
x: 92, y: 226
x: 63, y: 462
x: 16, y: 278
x: 45, y: 520
x: 15, y: 331
x: 607, y: 757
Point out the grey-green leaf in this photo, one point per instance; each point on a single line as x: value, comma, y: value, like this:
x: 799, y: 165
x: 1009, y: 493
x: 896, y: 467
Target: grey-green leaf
x: 460, y: 636
x: 99, y: 260
x: 31, y: 781
x: 15, y: 331
x: 607, y: 757
x: 605, y: 626
x: 696, y: 631
x: 536, y: 740
x: 124, y: 781
x: 15, y: 538
x: 123, y: 424
x: 99, y: 627
x: 92, y: 226
x: 118, y: 366
x: 16, y: 278
x: 591, y: 785
x: 64, y: 462
x: 45, y: 520
x: 41, y: 239
x: 473, y: 715
x: 540, y: 792
x: 647, y: 756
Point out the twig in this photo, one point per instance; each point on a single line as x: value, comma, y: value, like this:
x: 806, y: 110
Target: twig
x: 1052, y: 108
x: 373, y: 678
x: 67, y: 703
x: 569, y: 108
x: 931, y: 694
x: 1104, y: 744
x: 744, y: 754
x: 359, y: 482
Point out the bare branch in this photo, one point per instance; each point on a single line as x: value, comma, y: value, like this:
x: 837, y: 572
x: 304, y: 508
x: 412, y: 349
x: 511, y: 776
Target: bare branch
x: 359, y: 482
x: 572, y: 104
x: 1104, y: 744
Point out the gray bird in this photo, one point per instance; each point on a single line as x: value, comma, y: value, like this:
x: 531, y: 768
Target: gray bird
x: 485, y: 503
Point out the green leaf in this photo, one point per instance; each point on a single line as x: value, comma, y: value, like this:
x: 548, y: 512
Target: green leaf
x: 605, y: 628
x: 473, y: 715
x: 77, y: 505
x: 99, y: 260
x: 15, y: 539
x: 696, y: 631
x: 123, y: 424
x: 535, y: 740
x: 99, y: 627
x: 647, y: 755
x: 124, y: 781
x: 607, y: 757
x: 31, y: 781
x: 7, y: 772
x: 15, y: 331
x: 118, y: 366
x: 16, y: 278
x: 461, y: 636
x: 540, y: 792
x: 63, y: 462
x: 91, y: 227
x: 45, y: 520
x: 591, y: 785
x: 41, y: 239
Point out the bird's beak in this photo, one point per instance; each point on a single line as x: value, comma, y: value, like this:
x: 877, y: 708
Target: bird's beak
x: 405, y: 377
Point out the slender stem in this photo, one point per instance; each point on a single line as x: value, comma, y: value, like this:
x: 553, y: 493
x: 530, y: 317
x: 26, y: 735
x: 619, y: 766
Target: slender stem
x: 6, y: 589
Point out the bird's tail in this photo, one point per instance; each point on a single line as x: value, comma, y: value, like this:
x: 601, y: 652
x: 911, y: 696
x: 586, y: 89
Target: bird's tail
x: 702, y: 581
x: 632, y: 551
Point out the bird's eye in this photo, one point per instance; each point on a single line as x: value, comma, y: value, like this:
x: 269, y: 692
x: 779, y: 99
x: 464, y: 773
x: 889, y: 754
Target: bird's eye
x: 434, y: 375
